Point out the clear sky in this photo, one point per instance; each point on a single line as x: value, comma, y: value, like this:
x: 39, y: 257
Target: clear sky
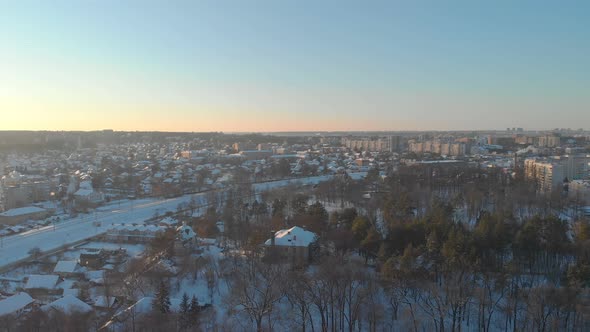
x: 294, y: 65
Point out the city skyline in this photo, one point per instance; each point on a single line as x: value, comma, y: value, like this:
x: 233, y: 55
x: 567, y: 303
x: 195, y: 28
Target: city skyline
x: 275, y: 67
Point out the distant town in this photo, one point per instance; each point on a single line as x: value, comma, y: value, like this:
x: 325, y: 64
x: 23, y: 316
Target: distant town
x: 126, y: 231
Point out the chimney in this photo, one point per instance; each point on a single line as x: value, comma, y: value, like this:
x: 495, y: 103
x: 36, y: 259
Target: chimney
x: 272, y: 238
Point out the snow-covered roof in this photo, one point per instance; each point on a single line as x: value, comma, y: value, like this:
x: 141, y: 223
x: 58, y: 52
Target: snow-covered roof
x: 94, y: 274
x: 65, y: 267
x: 294, y: 236
x: 14, y: 303
x: 84, y: 192
x: 17, y: 228
x: 22, y: 211
x: 186, y: 232
x: 169, y: 221
x: 48, y: 281
x: 166, y: 266
x: 104, y: 302
x: 140, y: 228
x: 220, y: 226
x: 68, y: 304
x: 71, y: 291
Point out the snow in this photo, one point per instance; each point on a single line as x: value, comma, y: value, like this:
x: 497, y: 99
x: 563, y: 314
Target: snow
x: 68, y: 304
x: 130, y: 249
x: 90, y: 275
x: 65, y: 267
x: 198, y: 289
x: 257, y: 187
x: 357, y: 175
x: 103, y: 302
x: 22, y: 211
x: 66, y: 284
x: 35, y: 281
x: 294, y: 236
x: 85, y: 226
x: 186, y: 232
x: 220, y: 226
x: 16, y: 247
x: 15, y: 303
x: 144, y: 305
x: 148, y: 229
x: 169, y: 221
x: 84, y: 192
x: 71, y: 291
x: 165, y: 266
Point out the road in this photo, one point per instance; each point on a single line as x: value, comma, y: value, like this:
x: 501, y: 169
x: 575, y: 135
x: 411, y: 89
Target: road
x: 16, y: 247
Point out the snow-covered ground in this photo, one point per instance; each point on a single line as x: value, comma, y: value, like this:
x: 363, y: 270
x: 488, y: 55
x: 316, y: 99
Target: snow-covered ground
x: 264, y: 186
x: 84, y: 226
x: 311, y: 180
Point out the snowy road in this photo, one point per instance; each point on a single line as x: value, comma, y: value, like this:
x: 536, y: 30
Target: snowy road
x: 15, y: 248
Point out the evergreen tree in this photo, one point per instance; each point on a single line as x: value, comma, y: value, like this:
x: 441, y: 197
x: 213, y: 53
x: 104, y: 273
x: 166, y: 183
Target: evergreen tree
x: 161, y: 302
x: 278, y: 207
x: 185, y: 306
x: 194, y: 310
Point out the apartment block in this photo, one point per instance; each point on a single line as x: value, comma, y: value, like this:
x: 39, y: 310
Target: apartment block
x: 550, y: 173
x: 435, y: 146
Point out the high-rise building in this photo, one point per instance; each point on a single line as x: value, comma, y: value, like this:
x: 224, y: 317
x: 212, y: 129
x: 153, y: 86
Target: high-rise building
x: 438, y: 147
x: 547, y: 175
x: 580, y: 191
x: 18, y: 191
x: 368, y: 144
x: 548, y: 141
x: 395, y: 143
x: 550, y: 173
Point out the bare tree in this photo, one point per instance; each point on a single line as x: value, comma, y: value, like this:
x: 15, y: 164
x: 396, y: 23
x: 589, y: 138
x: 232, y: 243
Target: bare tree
x: 255, y: 288
x: 8, y: 323
x: 299, y: 296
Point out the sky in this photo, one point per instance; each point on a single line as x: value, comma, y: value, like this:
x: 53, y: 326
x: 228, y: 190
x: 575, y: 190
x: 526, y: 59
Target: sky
x: 262, y: 66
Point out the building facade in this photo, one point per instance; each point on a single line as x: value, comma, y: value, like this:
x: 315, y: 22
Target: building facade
x: 551, y: 173
x: 438, y: 147
x: 382, y: 144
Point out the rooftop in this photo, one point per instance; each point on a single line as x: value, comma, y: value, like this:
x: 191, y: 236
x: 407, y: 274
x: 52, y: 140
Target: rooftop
x: 14, y: 303
x: 294, y: 236
x: 22, y: 211
x: 65, y: 267
x: 69, y: 304
x: 41, y: 281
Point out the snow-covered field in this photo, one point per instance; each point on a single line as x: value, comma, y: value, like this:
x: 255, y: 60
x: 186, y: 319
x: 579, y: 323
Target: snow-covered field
x: 258, y: 187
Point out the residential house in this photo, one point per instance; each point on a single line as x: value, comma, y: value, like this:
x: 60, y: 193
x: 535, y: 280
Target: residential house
x: 134, y: 233
x: 16, y: 304
x: 42, y: 285
x: 104, y: 303
x: 68, y: 304
x: 68, y: 269
x: 93, y: 259
x: 87, y: 196
x: 291, y: 245
x: 16, y: 216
